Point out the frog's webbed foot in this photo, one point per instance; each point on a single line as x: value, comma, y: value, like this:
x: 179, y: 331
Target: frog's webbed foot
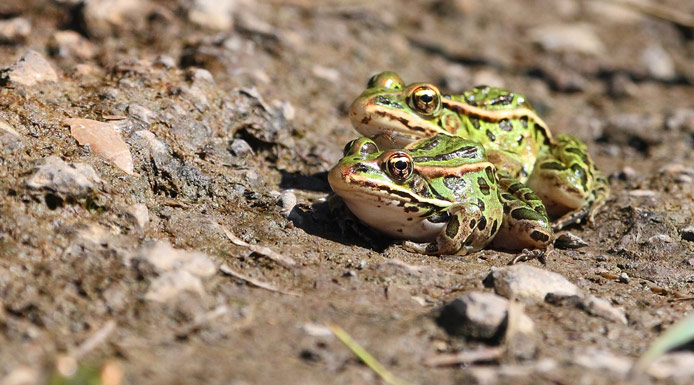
x: 529, y: 255
x: 568, y: 183
x: 525, y: 223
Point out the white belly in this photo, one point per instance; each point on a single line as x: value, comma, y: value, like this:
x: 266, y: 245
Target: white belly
x: 389, y: 218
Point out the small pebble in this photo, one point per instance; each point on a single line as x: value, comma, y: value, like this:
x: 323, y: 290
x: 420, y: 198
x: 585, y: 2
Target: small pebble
x: 579, y: 38
x: 75, y: 179
x: 163, y: 258
x: 287, y: 201
x: 139, y: 215
x: 14, y: 30
x: 71, y: 44
x: 530, y: 284
x: 623, y: 277
x: 171, y: 284
x: 658, y: 62
x: 240, y: 147
x: 477, y: 315
x: 213, y: 14
x: 568, y: 240
x: 30, y: 70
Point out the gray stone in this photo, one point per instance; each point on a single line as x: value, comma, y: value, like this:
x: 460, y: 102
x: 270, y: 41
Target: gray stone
x: 105, y: 17
x: 138, y: 215
x: 480, y: 315
x: 75, y: 179
x: 569, y: 240
x: 213, y: 14
x: 595, y: 359
x: 579, y: 38
x: 164, y: 258
x: 71, y: 44
x: 602, y: 308
x: 677, y: 367
x: 240, y: 147
x: 171, y: 284
x: 29, y: 70
x: 530, y: 284
x: 658, y: 62
x: 14, y: 30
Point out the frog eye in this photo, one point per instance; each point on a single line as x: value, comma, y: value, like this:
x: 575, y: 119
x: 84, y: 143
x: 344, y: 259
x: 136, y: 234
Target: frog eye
x: 365, y: 147
x: 425, y: 99
x: 399, y: 165
x: 348, y: 147
x: 387, y: 79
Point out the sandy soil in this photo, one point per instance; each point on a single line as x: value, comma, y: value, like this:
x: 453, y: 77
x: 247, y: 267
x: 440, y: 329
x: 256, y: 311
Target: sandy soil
x: 247, y: 149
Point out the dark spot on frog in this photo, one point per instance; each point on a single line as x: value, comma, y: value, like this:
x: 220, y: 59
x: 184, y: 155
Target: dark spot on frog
x: 490, y: 172
x: 473, y: 223
x: 539, y: 236
x: 491, y: 136
x: 480, y: 204
x: 366, y: 120
x: 524, y: 121
x: 452, y: 227
x: 494, y: 227
x: 482, y: 224
x: 483, y: 185
x: 505, y: 125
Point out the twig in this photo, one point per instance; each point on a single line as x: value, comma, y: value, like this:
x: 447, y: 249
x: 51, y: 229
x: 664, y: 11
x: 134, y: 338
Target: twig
x: 262, y: 250
x: 95, y: 339
x: 465, y: 357
x: 224, y: 268
x: 365, y: 357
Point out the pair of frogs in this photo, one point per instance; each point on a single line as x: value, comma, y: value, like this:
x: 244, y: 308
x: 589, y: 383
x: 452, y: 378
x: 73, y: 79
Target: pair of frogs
x: 454, y: 173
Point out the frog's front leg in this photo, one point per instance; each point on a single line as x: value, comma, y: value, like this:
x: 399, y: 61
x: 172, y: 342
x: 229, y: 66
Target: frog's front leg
x: 467, y: 230
x: 525, y: 223
x: 568, y: 183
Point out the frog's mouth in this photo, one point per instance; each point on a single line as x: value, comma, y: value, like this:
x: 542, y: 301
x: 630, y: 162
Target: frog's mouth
x: 394, y: 212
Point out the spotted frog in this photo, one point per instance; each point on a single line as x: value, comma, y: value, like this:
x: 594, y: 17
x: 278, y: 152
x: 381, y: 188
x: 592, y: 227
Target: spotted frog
x: 442, y: 194
x: 516, y: 140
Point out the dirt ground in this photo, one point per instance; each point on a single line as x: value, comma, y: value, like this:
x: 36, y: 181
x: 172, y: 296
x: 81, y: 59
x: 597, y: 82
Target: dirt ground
x: 247, y: 150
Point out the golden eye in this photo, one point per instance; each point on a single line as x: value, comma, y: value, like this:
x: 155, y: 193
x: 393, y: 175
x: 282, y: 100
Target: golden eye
x: 425, y: 100
x: 389, y: 80
x: 399, y: 165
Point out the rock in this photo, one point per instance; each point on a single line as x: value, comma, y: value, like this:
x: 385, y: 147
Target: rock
x: 595, y: 359
x: 580, y: 38
x: 22, y: 375
x: 287, y: 201
x: 164, y: 258
x: 689, y: 261
x: 143, y: 114
x: 623, y: 277
x: 658, y: 62
x: 602, y: 308
x: 681, y: 119
x: 568, y: 240
x: 75, y: 179
x: 29, y: 70
x: 530, y: 284
x: 213, y: 14
x: 104, y: 140
x: 71, y: 44
x: 241, y: 148
x: 138, y: 215
x: 477, y: 315
x: 688, y: 233
x: 677, y: 367
x: 105, y: 17
x: 14, y: 30
x: 6, y: 128
x: 172, y: 283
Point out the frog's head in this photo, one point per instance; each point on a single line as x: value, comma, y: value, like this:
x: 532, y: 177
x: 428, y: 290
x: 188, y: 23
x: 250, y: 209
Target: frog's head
x: 404, y: 113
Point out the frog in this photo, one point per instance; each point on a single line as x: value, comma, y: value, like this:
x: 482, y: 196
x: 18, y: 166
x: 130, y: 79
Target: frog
x: 441, y: 194
x: 517, y: 141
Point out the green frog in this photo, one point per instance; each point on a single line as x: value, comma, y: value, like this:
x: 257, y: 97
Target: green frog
x: 517, y: 141
x: 442, y: 194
